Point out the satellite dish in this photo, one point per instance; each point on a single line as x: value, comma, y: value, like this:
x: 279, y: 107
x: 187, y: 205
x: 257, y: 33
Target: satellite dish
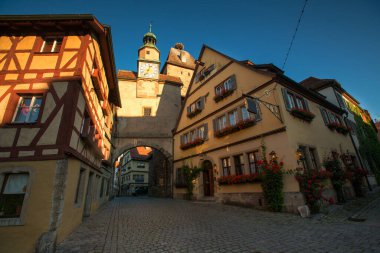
x: 251, y: 105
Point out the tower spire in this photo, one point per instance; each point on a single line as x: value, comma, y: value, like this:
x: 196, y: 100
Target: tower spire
x: 150, y: 26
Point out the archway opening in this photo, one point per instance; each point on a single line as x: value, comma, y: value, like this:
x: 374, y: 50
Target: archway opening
x: 143, y: 171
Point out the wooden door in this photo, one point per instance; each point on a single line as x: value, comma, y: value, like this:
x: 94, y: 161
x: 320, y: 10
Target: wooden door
x: 208, y: 179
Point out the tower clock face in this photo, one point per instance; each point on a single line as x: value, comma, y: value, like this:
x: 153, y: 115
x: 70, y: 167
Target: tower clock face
x: 148, y: 70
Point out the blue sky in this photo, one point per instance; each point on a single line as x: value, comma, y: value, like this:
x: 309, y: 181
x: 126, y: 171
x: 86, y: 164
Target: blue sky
x: 336, y: 39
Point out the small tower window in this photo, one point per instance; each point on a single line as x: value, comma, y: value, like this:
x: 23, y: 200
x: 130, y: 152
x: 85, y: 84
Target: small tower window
x: 147, y: 52
x: 147, y: 111
x: 51, y: 45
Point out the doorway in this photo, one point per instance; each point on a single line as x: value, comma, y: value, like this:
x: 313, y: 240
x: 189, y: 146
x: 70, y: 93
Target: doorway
x: 88, y: 201
x: 208, y: 179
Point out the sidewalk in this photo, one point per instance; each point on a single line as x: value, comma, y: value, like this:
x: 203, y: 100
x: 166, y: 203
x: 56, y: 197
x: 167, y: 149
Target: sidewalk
x: 365, y: 209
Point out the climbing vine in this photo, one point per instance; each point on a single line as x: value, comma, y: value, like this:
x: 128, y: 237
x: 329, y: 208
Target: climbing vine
x: 369, y: 147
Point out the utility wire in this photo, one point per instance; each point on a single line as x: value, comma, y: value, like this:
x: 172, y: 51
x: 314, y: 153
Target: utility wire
x: 294, y: 35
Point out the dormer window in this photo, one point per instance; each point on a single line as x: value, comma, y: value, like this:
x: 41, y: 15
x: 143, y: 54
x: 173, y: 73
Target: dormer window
x: 51, y: 45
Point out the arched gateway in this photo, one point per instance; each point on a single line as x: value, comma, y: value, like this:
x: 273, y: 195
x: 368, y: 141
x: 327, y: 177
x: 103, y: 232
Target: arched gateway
x: 151, y: 103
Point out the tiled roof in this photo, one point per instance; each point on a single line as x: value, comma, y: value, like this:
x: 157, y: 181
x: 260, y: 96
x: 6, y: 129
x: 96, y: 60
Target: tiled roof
x: 316, y: 83
x: 175, y: 56
x: 131, y: 75
x: 125, y: 74
x: 141, y: 153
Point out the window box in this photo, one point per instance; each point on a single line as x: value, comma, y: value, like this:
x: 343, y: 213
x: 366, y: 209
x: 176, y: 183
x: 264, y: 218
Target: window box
x: 224, y: 93
x: 245, y: 123
x: 226, y: 130
x: 240, y: 179
x: 342, y: 129
x: 193, y: 113
x: 302, y: 114
x: 193, y: 143
x: 333, y: 125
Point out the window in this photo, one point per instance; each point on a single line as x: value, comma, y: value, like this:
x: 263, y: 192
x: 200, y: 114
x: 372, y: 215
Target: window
x: 341, y: 102
x: 232, y: 116
x: 140, y: 165
x: 201, y: 75
x: 194, y: 137
x: 294, y: 101
x: 330, y: 118
x: 310, y: 158
x: 235, y: 120
x: 313, y: 158
x: 12, y: 194
x: 28, y: 109
x: 80, y: 187
x: 239, y: 164
x: 147, y: 111
x: 253, y: 157
x: 226, y: 165
x: 225, y: 88
x: 305, y: 164
x: 51, y: 45
x: 221, y: 122
x: 196, y: 107
x: 180, y: 178
x: 147, y: 52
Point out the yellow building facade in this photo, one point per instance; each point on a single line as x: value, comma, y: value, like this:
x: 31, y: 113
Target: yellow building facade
x: 216, y: 132
x: 58, y: 94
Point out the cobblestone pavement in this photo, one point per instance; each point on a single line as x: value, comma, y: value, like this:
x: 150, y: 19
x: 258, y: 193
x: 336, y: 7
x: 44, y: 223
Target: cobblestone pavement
x: 166, y: 225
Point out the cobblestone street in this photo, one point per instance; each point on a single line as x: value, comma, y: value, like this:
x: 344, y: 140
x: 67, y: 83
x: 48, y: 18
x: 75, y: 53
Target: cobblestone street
x: 166, y: 225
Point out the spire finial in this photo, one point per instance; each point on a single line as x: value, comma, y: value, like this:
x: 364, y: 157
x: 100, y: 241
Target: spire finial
x: 150, y: 26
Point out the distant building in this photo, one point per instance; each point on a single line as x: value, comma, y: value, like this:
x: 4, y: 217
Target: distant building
x: 135, y: 171
x: 58, y: 95
x: 216, y: 132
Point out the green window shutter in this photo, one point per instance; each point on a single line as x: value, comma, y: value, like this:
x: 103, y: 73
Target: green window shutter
x: 306, y: 104
x: 324, y: 115
x: 233, y: 82
x: 182, y: 140
x: 203, y: 101
x: 286, y: 101
x: 258, y: 115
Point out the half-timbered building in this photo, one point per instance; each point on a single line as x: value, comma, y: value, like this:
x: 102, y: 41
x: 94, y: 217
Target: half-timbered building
x: 58, y: 95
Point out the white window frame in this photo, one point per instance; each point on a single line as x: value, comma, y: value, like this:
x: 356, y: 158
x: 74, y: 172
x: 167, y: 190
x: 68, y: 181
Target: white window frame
x: 30, y: 108
x: 53, y: 47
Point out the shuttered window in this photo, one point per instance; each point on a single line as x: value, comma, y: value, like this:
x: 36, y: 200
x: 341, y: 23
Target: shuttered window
x: 292, y: 100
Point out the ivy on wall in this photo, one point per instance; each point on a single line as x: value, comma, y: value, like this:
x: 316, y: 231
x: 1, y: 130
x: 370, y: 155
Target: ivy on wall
x: 369, y: 145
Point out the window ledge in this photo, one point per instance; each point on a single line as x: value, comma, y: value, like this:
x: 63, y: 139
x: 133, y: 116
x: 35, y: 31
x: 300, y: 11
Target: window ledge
x: 4, y: 222
x: 45, y: 53
x: 302, y: 114
x: 225, y: 94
